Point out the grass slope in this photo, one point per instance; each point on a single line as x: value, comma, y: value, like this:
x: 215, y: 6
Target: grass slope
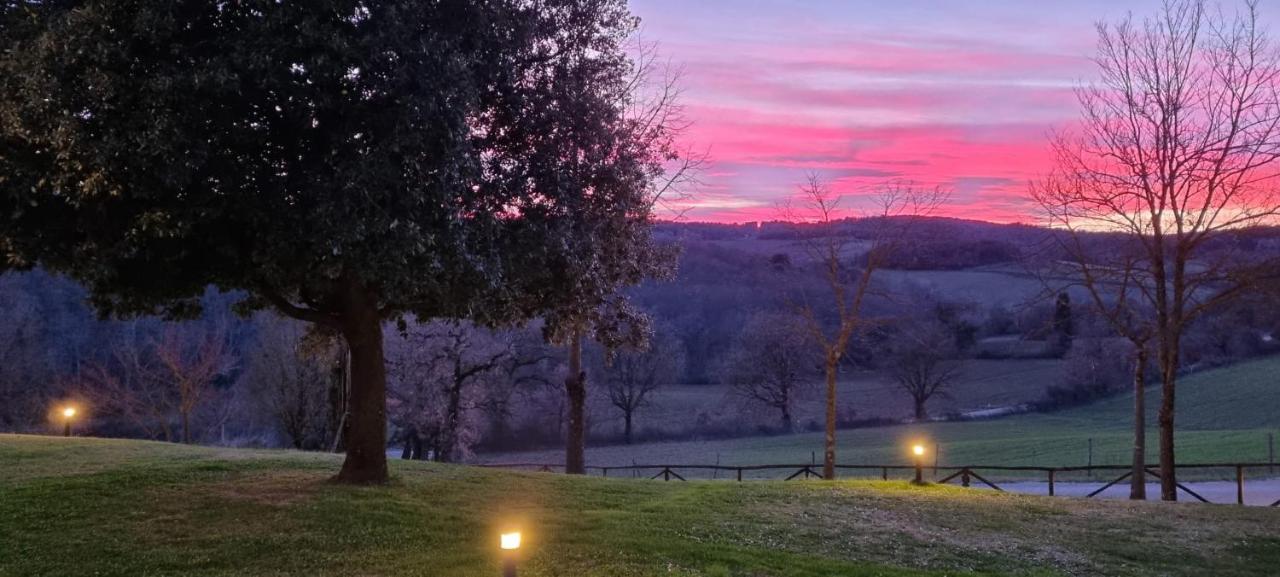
x: 98, y: 507
x: 1223, y: 415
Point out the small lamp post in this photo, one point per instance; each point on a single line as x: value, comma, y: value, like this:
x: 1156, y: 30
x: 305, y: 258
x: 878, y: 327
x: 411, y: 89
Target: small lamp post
x: 510, y: 544
x: 67, y: 414
x: 918, y: 452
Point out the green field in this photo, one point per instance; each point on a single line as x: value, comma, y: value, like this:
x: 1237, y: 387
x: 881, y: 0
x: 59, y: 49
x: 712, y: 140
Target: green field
x: 72, y: 507
x: 1223, y: 415
x: 981, y: 384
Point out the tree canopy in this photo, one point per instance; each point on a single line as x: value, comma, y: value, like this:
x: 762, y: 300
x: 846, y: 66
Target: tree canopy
x: 342, y: 161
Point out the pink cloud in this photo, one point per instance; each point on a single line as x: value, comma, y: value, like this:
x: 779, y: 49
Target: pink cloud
x: 969, y: 118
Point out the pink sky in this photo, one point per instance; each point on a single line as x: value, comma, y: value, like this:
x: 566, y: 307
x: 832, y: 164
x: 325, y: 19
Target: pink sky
x: 961, y: 93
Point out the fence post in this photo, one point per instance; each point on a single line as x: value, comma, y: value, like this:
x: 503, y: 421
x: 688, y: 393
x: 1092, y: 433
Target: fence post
x: 1271, y: 451
x: 739, y: 474
x: 604, y: 472
x: 1239, y: 484
x: 1051, y: 472
x: 964, y: 477
x: 666, y: 474
x: 884, y: 473
x: 1090, y: 456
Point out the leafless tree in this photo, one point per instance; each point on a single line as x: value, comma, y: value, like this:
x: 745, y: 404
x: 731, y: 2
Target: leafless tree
x: 151, y: 381
x: 189, y: 361
x: 523, y: 372
x: 834, y: 325
x: 127, y: 384
x: 292, y: 381
x: 1116, y: 286
x: 920, y: 357
x: 1176, y: 148
x: 439, y: 372
x: 24, y: 362
x: 632, y: 377
x: 773, y: 365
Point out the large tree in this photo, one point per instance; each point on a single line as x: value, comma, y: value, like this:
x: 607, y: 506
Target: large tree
x: 342, y: 161
x: 606, y: 250
x: 1176, y: 149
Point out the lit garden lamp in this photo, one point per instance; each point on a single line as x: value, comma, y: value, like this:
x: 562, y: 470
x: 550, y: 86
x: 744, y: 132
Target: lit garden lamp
x: 67, y: 414
x: 918, y: 452
x: 510, y: 543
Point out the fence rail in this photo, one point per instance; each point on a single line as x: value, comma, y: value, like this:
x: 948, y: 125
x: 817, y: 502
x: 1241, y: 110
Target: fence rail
x: 965, y: 474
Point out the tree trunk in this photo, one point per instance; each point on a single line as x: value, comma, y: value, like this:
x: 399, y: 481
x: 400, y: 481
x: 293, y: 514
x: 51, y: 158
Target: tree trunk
x: 626, y: 427
x: 186, y: 428
x: 1168, y: 469
x: 1138, y: 483
x: 453, y: 420
x: 829, y: 444
x: 788, y: 422
x: 366, y: 439
x: 921, y: 413
x: 575, y: 385
x: 340, y: 397
x: 419, y: 448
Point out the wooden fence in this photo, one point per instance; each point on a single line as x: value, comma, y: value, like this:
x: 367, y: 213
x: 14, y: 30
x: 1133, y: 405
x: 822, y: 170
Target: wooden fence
x: 965, y: 475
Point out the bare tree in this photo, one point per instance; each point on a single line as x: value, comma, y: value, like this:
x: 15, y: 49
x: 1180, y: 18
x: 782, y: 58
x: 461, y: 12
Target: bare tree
x: 1116, y: 286
x: 189, y: 361
x: 152, y: 381
x: 920, y: 357
x: 527, y: 368
x: 292, y: 381
x: 439, y: 372
x: 126, y: 384
x: 1177, y: 147
x: 772, y: 365
x: 24, y: 360
x: 632, y: 377
x: 832, y: 326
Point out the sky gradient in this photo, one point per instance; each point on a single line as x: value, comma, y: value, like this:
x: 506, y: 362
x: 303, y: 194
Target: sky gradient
x: 958, y: 93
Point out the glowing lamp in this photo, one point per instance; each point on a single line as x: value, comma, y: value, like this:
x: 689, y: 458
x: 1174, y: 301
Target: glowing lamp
x: 510, y: 543
x: 918, y: 451
x: 67, y: 413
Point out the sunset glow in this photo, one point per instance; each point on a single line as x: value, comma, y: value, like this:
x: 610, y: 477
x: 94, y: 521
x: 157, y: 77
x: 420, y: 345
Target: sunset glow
x: 960, y: 94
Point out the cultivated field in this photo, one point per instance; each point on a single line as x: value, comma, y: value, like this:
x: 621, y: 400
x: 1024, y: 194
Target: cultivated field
x: 125, y: 508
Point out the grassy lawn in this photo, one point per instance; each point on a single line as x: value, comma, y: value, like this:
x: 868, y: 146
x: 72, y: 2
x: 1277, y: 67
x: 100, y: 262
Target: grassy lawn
x: 1223, y: 415
x: 101, y: 507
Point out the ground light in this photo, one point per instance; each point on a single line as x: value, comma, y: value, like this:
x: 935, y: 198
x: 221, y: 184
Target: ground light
x: 68, y: 413
x: 510, y: 544
x: 918, y: 452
